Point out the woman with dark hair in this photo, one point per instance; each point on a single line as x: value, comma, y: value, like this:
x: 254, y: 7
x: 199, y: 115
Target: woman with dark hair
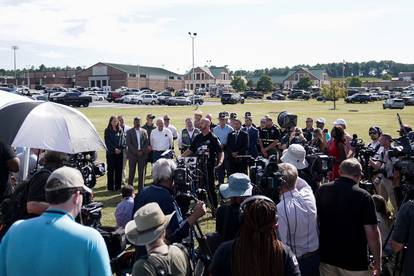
x: 256, y: 251
x: 336, y: 149
x: 114, y: 140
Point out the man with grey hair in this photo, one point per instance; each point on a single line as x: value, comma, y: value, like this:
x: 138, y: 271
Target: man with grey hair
x: 161, y: 192
x: 347, y: 223
x: 54, y: 243
x: 161, y: 139
x: 187, y: 135
x: 298, y: 219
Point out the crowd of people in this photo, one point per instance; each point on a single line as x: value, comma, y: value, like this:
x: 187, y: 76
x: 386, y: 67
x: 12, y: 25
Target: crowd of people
x: 315, y: 228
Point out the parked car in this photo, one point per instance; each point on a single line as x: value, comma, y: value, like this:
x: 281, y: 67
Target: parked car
x: 163, y: 97
x: 94, y: 95
x: 71, y: 98
x: 394, y: 104
x: 128, y: 99
x: 276, y: 96
x: 112, y: 96
x: 375, y: 97
x: 323, y: 99
x: 147, y: 99
x: 408, y: 100
x: 358, y: 98
x: 179, y: 101
x: 231, y: 98
x: 196, y: 99
x: 253, y: 95
x: 182, y: 93
x: 299, y: 94
x: 40, y: 87
x: 200, y: 91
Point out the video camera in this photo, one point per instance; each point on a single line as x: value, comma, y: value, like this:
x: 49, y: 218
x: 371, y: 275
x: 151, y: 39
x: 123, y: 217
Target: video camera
x: 319, y: 163
x: 86, y: 164
x: 287, y: 120
x: 266, y: 177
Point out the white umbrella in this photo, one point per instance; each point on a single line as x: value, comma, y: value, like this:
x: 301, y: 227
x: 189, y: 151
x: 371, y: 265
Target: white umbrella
x: 7, y: 98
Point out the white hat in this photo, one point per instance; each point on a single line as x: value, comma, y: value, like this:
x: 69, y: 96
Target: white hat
x: 321, y: 120
x: 148, y: 224
x: 340, y: 122
x: 295, y: 155
x: 67, y: 178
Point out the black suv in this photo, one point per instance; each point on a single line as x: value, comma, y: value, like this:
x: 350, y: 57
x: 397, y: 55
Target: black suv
x: 231, y: 98
x: 358, y: 98
x: 253, y: 95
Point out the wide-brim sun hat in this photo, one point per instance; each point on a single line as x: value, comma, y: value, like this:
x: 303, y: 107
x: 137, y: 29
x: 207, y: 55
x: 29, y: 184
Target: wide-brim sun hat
x: 239, y: 185
x: 148, y: 224
x: 295, y: 155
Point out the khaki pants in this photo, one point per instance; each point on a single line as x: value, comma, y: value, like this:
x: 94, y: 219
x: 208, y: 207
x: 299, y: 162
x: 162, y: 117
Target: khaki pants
x: 331, y: 270
x: 387, y: 192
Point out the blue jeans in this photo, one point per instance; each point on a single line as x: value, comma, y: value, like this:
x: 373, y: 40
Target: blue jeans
x: 309, y: 266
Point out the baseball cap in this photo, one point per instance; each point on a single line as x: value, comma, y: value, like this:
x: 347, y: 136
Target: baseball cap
x: 67, y: 178
x: 150, y: 116
x: 247, y: 114
x: 321, y: 120
x: 222, y: 115
x: 233, y: 115
x: 340, y: 122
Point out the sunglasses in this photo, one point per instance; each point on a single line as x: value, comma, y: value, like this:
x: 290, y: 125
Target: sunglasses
x: 372, y: 132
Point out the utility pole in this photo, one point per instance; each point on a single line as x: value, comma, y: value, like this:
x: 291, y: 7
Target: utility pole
x: 193, y: 36
x: 14, y: 48
x: 138, y: 76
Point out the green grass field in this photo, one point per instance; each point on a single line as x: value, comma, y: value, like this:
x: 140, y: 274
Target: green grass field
x: 358, y: 116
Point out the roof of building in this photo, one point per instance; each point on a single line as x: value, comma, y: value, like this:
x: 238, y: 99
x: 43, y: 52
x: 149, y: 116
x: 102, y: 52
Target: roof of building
x: 144, y: 70
x: 318, y: 73
x: 275, y: 79
x: 213, y: 71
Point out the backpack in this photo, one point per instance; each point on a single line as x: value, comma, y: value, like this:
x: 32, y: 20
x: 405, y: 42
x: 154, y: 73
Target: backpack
x: 161, y: 265
x: 14, y: 207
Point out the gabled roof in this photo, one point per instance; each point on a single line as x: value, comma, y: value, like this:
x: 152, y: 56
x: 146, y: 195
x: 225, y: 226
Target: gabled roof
x: 216, y: 70
x: 317, y: 73
x: 144, y: 70
x: 275, y: 79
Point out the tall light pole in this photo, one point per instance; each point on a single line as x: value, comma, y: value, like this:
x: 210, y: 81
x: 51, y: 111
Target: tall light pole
x: 14, y: 48
x: 193, y: 36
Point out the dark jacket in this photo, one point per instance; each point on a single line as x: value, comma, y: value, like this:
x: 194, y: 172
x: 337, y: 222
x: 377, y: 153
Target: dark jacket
x: 114, y: 140
x: 253, y: 141
x: 132, y: 146
x: 239, y: 146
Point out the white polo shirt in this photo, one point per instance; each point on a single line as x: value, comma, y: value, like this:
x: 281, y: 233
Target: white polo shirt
x: 161, y: 140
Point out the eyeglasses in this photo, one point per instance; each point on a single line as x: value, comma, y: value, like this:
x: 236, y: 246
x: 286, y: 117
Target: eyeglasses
x: 372, y: 132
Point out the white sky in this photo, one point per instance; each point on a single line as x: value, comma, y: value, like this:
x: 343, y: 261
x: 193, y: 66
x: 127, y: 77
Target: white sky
x: 243, y: 34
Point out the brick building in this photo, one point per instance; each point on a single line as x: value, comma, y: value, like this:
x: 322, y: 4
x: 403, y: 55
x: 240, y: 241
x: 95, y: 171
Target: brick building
x: 205, y: 77
x: 132, y: 76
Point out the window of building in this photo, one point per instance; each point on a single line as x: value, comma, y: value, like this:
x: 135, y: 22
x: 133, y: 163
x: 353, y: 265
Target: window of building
x: 296, y: 77
x: 132, y: 75
x: 171, y: 77
x: 104, y: 83
x: 179, y: 78
x: 198, y: 76
x: 202, y: 76
x: 92, y: 83
x: 142, y: 76
x: 191, y: 86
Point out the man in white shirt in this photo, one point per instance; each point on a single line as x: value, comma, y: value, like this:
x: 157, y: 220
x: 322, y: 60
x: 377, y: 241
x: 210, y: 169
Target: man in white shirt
x: 161, y: 140
x: 187, y: 135
x: 171, y: 127
x: 297, y: 223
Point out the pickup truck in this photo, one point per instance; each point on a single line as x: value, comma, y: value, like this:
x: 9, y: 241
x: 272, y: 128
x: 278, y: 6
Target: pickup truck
x: 71, y: 98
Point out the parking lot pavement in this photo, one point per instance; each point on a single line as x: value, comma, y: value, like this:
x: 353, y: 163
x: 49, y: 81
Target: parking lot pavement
x: 106, y: 104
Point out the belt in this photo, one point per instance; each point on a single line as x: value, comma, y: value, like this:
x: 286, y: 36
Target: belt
x: 309, y: 254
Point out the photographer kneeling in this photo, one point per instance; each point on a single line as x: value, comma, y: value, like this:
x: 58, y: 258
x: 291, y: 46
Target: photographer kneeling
x: 149, y: 229
x: 161, y: 192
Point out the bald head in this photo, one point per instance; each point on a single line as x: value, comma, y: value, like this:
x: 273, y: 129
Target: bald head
x: 205, y: 125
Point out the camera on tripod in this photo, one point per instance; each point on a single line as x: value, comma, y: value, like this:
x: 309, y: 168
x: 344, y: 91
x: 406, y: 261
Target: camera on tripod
x: 267, y: 178
x: 89, y: 168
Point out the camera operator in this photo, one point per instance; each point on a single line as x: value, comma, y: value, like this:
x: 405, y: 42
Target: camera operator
x: 403, y: 235
x: 298, y: 220
x: 347, y: 223
x: 53, y: 243
x: 207, y: 145
x: 148, y: 228
x: 296, y: 136
x: 386, y: 166
x: 161, y: 192
x: 296, y: 155
x: 36, y: 198
x: 374, y: 133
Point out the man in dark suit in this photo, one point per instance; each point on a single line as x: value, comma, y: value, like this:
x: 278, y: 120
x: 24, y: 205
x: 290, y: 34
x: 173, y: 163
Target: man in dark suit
x: 237, y: 143
x: 253, y: 133
x: 137, y: 142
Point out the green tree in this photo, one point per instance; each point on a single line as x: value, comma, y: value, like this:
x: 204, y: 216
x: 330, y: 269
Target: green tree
x: 387, y: 77
x: 354, y: 82
x: 334, y: 91
x: 250, y: 83
x: 264, y: 83
x: 304, y: 83
x: 238, y: 84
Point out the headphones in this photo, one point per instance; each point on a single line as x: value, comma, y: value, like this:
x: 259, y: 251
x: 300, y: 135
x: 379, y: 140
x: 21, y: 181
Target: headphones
x: 250, y: 200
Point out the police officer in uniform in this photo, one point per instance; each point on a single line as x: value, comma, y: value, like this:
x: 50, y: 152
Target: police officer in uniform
x: 269, y: 139
x: 207, y: 147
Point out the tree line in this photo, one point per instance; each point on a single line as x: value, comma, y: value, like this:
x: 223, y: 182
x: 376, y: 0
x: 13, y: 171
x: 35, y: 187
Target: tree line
x: 41, y: 68
x: 377, y: 69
